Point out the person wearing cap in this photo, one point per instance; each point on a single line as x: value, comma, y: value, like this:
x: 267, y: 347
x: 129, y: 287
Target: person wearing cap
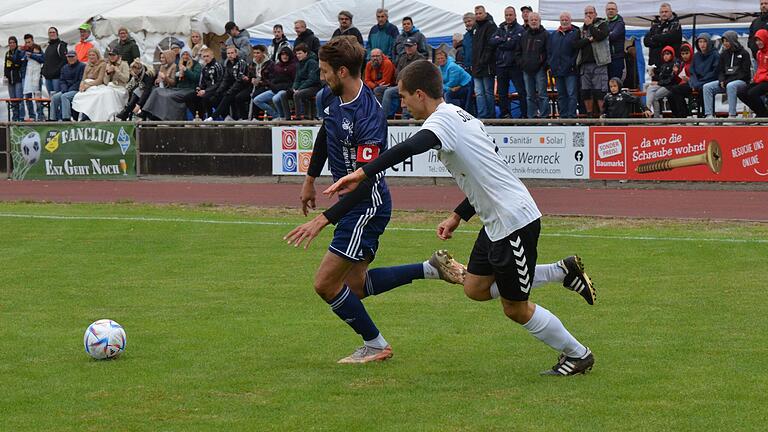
x: 70, y: 76
x: 241, y: 39
x: 525, y: 11
x: 392, y: 94
x: 410, y: 32
x: 346, y: 28
x: 55, y: 58
x: 87, y: 42
x: 127, y: 46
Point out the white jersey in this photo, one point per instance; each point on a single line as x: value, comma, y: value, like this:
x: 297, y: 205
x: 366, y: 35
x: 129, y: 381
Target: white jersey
x: 500, y: 199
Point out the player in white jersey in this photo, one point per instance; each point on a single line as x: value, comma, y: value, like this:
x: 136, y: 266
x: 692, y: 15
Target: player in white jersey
x: 503, y: 260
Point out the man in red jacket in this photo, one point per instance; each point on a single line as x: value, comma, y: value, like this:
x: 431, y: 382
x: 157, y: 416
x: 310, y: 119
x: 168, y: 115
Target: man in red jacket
x: 379, y: 73
x: 753, y: 93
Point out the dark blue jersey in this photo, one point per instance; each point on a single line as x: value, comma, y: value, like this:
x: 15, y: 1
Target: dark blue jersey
x: 356, y: 134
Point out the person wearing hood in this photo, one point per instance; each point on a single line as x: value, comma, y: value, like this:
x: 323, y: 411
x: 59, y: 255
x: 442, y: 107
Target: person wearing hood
x: 733, y: 73
x: 484, y: 63
x: 619, y: 103
x: 457, y: 83
x: 761, y: 22
x: 168, y: 102
x: 71, y: 74
x: 410, y: 32
x: 379, y: 73
x: 382, y: 35
x: 680, y: 92
x: 282, y: 76
x: 506, y: 40
x: 87, y: 42
x: 126, y: 46
x: 617, y: 36
x: 665, y: 31
x: 534, y: 45
x: 279, y: 42
x: 306, y: 36
x: 703, y: 67
x: 753, y: 94
x: 561, y: 58
x: 55, y: 59
x: 240, y: 39
x: 665, y: 76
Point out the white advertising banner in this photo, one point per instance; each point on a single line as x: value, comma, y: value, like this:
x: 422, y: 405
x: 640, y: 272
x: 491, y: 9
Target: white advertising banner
x: 555, y: 152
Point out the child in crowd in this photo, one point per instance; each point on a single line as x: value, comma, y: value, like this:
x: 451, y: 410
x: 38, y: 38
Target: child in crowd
x: 618, y: 103
x: 682, y: 90
x: 664, y: 76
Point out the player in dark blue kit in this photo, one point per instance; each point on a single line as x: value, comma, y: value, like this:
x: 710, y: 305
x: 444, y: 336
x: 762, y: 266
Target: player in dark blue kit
x: 354, y: 132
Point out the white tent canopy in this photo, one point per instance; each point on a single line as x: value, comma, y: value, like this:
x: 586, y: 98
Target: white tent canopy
x: 639, y: 13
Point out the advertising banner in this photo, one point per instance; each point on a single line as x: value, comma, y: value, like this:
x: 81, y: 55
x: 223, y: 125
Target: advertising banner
x: 679, y: 153
x: 73, y: 150
x: 532, y: 152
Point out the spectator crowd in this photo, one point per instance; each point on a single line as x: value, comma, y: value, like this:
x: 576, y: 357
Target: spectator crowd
x: 513, y: 68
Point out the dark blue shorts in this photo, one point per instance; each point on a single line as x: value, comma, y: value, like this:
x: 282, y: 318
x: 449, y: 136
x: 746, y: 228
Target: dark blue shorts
x: 356, y: 237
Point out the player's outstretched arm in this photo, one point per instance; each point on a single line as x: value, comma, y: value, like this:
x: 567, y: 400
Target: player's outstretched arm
x: 420, y: 142
x: 464, y: 211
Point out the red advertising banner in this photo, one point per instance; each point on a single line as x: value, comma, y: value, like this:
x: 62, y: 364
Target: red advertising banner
x: 681, y: 153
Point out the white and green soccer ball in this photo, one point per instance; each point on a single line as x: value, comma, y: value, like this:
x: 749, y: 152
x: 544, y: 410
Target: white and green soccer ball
x: 104, y: 339
x: 30, y: 147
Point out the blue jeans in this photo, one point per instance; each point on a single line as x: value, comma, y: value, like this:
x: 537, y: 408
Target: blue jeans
x: 486, y: 103
x: 34, y: 107
x: 53, y: 87
x: 319, y: 104
x: 713, y: 88
x: 263, y: 101
x: 459, y: 97
x: 61, y: 105
x: 388, y: 101
x: 280, y: 101
x: 567, y: 91
x: 536, y: 90
x: 17, y: 91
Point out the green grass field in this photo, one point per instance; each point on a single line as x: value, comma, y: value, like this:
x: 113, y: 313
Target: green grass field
x: 226, y: 333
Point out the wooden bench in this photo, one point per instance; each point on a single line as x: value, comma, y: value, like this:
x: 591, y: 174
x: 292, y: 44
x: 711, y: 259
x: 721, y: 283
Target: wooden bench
x: 9, y: 102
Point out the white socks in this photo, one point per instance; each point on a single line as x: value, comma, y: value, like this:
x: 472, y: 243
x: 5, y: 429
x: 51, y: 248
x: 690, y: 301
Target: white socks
x: 429, y: 271
x: 547, y: 328
x: 379, y: 342
x: 544, y: 274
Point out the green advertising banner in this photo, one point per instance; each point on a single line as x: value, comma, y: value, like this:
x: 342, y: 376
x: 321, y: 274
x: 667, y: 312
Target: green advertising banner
x: 73, y: 150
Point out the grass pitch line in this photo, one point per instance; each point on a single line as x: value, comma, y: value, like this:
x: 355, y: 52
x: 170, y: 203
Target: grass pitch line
x: 265, y: 223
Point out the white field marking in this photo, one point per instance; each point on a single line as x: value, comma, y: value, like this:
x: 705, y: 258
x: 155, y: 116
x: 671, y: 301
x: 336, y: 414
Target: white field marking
x: 246, y: 222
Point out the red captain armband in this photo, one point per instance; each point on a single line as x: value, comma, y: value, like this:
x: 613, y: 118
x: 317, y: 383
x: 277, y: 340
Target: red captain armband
x: 367, y: 152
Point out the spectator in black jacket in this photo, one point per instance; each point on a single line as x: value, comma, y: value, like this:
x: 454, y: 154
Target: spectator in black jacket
x: 665, y: 31
x: 619, y: 103
x: 206, y: 93
x: 617, y: 36
x: 483, y: 63
x: 734, y: 72
x: 561, y: 57
x: 346, y: 28
x: 306, y: 36
x: 533, y: 61
x: 506, y: 40
x: 235, y: 79
x: 278, y: 42
x: 55, y: 58
x: 307, y: 82
x: 761, y: 22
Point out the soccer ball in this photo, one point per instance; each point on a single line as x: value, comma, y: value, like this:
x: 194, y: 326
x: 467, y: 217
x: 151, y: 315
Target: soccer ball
x: 30, y: 147
x: 104, y: 339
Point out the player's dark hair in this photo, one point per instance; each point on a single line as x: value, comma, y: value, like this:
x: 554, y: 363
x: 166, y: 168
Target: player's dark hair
x: 422, y: 75
x: 344, y: 51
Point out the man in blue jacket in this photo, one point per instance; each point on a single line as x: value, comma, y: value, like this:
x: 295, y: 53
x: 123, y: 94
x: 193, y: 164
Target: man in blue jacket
x: 457, y: 87
x: 616, y: 35
x: 69, y: 84
x: 506, y: 40
x: 382, y: 35
x: 562, y: 63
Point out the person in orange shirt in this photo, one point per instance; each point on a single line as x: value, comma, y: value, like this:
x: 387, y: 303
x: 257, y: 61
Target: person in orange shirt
x: 86, y: 43
x: 379, y: 73
x: 752, y: 95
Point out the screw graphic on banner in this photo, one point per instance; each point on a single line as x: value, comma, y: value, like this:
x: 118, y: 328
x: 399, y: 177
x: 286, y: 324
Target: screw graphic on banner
x: 713, y: 158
